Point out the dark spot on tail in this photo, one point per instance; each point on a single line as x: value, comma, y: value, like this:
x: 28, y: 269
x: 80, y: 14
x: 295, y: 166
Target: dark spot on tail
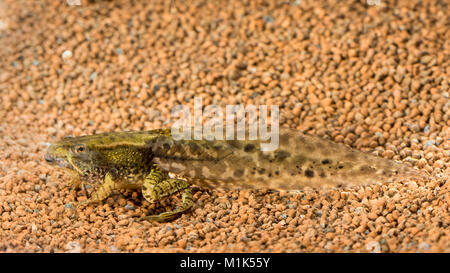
x: 300, y: 160
x: 322, y: 174
x: 235, y: 143
x: 261, y: 170
x: 366, y: 169
x: 326, y: 161
x: 194, y: 146
x: 284, y: 139
x: 309, y: 173
x: 249, y: 148
x: 238, y: 172
x: 281, y: 155
x: 217, y: 146
x: 351, y: 155
x: 166, y: 146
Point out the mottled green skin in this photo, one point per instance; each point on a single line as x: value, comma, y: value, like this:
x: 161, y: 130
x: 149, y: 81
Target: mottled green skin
x: 142, y: 160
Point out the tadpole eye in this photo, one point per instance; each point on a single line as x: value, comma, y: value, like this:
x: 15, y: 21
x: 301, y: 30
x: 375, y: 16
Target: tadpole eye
x: 79, y: 148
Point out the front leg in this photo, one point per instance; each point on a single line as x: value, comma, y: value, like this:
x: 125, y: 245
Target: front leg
x: 101, y: 193
x: 75, y: 180
x: 157, y: 186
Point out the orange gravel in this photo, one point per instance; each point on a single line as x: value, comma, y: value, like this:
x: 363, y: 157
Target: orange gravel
x: 375, y: 77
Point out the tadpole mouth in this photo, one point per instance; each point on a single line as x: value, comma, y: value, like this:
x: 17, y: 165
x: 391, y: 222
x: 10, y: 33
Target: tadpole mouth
x: 49, y: 159
x: 57, y: 161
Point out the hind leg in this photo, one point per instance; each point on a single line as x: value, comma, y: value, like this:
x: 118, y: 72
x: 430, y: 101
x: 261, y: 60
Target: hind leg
x: 158, y: 185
